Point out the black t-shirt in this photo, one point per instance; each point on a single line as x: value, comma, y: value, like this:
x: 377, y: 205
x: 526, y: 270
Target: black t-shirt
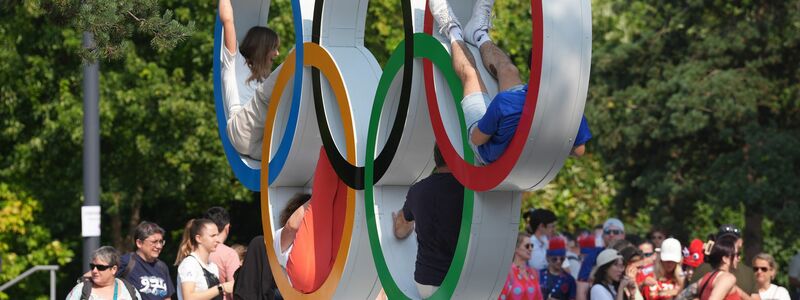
x: 435, y: 204
x: 151, y: 279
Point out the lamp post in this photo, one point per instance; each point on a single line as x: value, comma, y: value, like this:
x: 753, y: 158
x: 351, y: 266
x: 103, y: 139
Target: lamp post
x: 90, y: 211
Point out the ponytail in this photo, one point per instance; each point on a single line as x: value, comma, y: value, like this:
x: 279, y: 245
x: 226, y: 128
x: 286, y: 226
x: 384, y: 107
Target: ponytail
x: 188, y: 243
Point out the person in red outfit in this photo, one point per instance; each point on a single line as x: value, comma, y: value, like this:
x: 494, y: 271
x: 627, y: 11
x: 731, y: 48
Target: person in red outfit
x: 666, y: 281
x: 522, y: 281
x: 313, y: 232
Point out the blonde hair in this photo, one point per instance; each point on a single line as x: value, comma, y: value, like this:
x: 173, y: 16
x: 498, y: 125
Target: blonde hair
x: 188, y: 243
x: 659, y: 272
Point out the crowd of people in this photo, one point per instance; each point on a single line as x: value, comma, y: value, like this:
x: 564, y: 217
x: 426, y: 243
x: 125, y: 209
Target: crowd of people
x: 607, y: 264
x: 207, y: 267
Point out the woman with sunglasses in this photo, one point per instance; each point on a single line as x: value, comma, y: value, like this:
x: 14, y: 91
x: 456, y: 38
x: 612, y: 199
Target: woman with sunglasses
x: 555, y: 282
x: 104, y: 284
x: 522, y: 281
x: 764, y: 267
x: 198, y: 278
x: 721, y: 283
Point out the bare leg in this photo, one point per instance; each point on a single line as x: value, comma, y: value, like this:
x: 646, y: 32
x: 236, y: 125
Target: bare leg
x: 500, y: 66
x: 464, y: 65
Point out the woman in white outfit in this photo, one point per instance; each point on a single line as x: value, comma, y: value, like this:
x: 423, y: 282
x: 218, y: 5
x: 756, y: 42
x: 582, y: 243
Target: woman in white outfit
x: 198, y: 278
x: 246, y: 102
x: 764, y: 267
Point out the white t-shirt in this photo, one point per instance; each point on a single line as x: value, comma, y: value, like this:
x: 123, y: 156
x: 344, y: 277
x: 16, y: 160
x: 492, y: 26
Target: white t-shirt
x: 283, y: 257
x: 246, y: 104
x: 236, y: 90
x: 599, y: 292
x: 538, y: 258
x: 775, y: 292
x: 190, y: 270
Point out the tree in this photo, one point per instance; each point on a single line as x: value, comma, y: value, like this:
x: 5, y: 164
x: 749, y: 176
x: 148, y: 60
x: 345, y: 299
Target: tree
x: 161, y: 156
x: 696, y: 106
x: 25, y: 244
x: 579, y: 195
x: 114, y: 23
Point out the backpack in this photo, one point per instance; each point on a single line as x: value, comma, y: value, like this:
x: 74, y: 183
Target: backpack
x: 87, y: 287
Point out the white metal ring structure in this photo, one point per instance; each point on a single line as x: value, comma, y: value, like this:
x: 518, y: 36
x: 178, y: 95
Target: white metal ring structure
x: 565, y: 61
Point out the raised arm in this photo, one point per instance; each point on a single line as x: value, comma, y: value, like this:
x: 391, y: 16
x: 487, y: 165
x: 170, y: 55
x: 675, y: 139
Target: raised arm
x: 226, y: 17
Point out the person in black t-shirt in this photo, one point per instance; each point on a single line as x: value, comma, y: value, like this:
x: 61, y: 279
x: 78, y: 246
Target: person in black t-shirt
x: 148, y: 274
x: 433, y: 210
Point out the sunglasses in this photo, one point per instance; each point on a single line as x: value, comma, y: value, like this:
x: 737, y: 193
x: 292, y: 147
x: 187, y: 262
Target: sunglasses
x: 648, y: 254
x: 612, y: 232
x: 556, y: 258
x: 762, y: 269
x: 529, y: 246
x: 99, y: 267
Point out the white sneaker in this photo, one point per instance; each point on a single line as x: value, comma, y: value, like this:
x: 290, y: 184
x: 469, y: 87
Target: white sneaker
x: 444, y: 15
x: 481, y: 20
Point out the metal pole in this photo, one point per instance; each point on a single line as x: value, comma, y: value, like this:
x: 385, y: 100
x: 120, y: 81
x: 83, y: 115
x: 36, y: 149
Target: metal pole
x: 90, y: 212
x: 52, y: 285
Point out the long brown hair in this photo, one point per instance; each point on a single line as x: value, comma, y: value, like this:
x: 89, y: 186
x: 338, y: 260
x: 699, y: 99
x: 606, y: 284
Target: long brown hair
x: 188, y: 242
x: 256, y: 46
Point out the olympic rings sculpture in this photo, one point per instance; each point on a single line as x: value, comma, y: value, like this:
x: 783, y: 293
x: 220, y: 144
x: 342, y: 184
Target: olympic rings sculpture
x: 306, y: 117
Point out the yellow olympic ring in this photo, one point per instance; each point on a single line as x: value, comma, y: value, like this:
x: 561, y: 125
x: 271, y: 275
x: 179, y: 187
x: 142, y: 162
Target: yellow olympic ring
x: 318, y: 57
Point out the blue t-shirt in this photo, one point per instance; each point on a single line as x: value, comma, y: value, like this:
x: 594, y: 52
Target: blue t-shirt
x: 584, y: 134
x: 500, y: 121
x: 560, y: 286
x: 151, y: 279
x: 588, y: 263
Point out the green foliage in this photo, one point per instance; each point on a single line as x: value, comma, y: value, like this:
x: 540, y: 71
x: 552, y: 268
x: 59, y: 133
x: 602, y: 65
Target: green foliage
x: 114, y: 23
x: 160, y: 154
x: 695, y: 109
x: 25, y: 243
x: 580, y: 195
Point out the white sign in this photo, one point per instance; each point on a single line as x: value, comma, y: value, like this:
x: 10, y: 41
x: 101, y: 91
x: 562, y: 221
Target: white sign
x: 90, y: 221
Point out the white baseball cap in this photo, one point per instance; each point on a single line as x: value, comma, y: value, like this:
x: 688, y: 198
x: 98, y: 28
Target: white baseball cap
x: 671, y: 250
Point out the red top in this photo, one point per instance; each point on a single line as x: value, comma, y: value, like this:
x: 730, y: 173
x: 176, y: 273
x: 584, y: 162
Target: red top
x: 519, y: 286
x: 664, y: 284
x: 705, y: 293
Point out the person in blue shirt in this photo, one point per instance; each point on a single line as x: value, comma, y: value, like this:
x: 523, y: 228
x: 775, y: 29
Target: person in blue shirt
x: 554, y: 281
x: 491, y: 122
x: 142, y: 268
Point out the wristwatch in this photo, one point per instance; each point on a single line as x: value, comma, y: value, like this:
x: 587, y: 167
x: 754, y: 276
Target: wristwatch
x: 219, y: 288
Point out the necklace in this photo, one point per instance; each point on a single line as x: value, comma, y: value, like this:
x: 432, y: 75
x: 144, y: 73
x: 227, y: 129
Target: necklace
x: 555, y: 287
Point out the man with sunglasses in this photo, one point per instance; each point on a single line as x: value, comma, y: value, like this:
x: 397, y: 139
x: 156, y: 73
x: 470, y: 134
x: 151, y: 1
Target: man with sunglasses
x: 613, y: 230
x: 148, y: 274
x: 555, y: 283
